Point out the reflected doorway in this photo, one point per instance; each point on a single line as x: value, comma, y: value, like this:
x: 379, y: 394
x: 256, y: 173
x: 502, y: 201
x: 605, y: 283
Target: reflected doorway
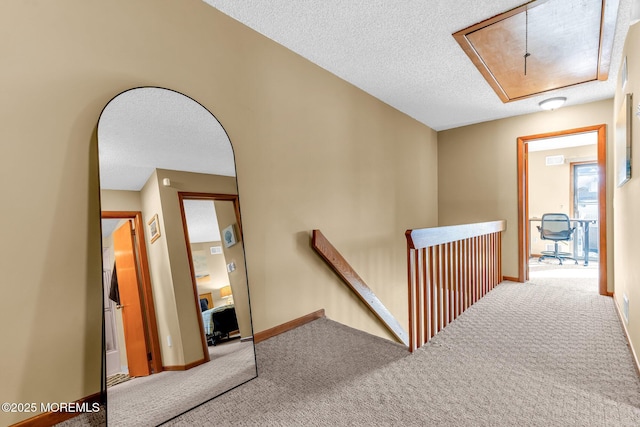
x: 215, y: 246
x: 131, y: 337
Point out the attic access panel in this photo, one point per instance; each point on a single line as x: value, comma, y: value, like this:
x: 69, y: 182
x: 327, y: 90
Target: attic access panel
x: 568, y: 41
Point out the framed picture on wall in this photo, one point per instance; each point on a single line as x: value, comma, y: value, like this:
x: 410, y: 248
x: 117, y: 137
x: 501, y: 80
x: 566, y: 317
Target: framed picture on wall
x: 154, y: 228
x: 229, y: 236
x: 623, y: 141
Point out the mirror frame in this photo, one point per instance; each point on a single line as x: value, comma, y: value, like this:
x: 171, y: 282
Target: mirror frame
x: 150, y: 316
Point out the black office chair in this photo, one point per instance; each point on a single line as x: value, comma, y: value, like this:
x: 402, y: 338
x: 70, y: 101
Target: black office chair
x: 556, y: 227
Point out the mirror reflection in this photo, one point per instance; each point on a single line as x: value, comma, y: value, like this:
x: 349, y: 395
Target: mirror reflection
x: 177, y: 317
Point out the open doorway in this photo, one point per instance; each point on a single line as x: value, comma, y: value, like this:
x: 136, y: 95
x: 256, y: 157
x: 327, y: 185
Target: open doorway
x: 564, y: 173
x: 131, y: 338
x: 213, y: 234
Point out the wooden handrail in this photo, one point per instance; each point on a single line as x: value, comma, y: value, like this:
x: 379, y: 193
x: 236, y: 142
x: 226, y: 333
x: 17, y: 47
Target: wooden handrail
x: 449, y: 269
x: 348, y: 275
x: 427, y: 237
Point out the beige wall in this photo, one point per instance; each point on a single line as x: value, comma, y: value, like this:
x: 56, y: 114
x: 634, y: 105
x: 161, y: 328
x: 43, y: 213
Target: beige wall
x: 111, y: 200
x: 477, y: 168
x: 550, y: 187
x: 226, y: 213
x: 627, y: 201
x: 217, y: 269
x: 312, y: 152
x: 170, y: 319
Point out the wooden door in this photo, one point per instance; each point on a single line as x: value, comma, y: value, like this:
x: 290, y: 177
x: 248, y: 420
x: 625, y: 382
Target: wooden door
x: 130, y: 301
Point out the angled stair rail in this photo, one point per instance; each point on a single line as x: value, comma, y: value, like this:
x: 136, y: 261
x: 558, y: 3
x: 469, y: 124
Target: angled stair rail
x: 450, y: 268
x: 348, y: 275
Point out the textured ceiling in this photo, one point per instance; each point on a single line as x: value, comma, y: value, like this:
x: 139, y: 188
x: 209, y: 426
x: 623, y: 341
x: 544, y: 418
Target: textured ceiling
x: 404, y: 54
x: 148, y: 128
x: 542, y: 46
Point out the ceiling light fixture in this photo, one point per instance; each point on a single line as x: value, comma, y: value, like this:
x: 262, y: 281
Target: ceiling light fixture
x: 552, y: 103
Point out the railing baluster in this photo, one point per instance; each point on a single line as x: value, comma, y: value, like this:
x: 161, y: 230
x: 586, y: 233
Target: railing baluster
x: 499, y: 257
x: 416, y: 291
x: 485, y: 264
x: 433, y: 285
x: 457, y: 272
x: 413, y: 272
x: 493, y: 260
x: 447, y: 284
x: 491, y: 263
x: 438, y: 285
x: 426, y: 297
x: 480, y: 267
x: 452, y: 282
x: 449, y: 273
x: 474, y: 269
x: 466, y: 275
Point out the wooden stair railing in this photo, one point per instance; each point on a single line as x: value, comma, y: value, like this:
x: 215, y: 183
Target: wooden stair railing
x: 348, y: 275
x: 450, y: 268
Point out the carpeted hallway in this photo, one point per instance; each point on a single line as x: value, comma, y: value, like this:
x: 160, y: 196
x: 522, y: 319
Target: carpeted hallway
x: 546, y: 353
x: 534, y: 354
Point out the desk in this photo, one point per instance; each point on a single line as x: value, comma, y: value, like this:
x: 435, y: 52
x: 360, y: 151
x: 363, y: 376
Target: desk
x: 584, y: 224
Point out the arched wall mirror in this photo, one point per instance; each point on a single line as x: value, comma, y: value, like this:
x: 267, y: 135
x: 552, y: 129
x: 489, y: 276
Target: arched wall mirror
x: 177, y: 317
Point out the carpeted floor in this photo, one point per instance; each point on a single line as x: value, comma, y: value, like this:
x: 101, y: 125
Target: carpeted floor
x: 568, y: 278
x: 535, y: 354
x: 151, y: 400
x: 526, y: 355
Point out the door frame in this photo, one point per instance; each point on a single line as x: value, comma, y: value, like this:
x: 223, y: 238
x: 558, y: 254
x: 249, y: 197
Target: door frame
x: 145, y: 278
x: 182, y: 196
x: 523, y: 200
